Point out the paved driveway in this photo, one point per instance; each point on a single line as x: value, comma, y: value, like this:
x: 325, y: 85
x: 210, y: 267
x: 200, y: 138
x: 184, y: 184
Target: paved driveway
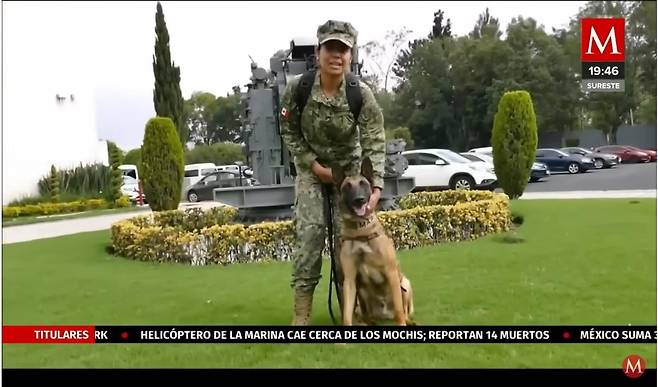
x: 43, y: 230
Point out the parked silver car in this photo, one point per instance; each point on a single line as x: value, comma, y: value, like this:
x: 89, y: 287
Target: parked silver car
x: 203, y: 189
x: 601, y: 160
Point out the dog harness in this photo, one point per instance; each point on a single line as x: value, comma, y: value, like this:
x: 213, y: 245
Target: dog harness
x: 360, y: 225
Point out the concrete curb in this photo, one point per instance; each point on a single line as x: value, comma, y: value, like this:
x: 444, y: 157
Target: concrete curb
x: 611, y: 194
x: 57, y: 228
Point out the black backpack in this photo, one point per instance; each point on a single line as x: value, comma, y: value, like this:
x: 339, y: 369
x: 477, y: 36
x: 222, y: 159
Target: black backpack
x: 352, y: 89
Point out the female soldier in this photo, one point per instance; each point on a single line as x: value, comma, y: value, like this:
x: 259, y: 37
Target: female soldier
x: 326, y: 133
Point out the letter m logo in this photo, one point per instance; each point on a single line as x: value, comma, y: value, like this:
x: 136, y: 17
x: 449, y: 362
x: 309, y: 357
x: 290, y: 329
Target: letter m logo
x: 602, y: 40
x: 633, y: 366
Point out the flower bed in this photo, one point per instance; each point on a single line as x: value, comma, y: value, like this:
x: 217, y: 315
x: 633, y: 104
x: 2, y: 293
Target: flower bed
x: 201, y: 238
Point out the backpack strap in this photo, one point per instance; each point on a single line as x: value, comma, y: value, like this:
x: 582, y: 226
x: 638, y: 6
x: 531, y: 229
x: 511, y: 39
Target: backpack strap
x: 303, y: 90
x: 352, y: 89
x: 354, y: 97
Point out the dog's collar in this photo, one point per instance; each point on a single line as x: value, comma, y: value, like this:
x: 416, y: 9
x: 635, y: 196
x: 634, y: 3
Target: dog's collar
x: 357, y: 224
x: 366, y: 227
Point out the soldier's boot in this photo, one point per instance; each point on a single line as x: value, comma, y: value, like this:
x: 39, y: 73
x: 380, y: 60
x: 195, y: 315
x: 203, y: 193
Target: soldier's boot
x: 302, y: 307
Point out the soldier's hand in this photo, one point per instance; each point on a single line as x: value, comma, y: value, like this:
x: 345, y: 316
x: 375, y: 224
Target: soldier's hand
x: 323, y: 173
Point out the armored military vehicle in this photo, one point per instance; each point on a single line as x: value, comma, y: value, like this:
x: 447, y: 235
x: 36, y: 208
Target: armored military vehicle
x: 267, y: 156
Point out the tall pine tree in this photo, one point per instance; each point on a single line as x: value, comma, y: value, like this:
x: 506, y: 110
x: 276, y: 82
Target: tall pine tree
x: 167, y: 97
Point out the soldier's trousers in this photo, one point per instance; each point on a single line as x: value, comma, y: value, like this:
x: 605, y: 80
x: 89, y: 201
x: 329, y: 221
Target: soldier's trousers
x: 310, y: 224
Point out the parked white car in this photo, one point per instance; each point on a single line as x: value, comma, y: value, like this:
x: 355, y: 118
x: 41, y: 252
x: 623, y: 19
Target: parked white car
x: 487, y: 150
x: 130, y: 187
x: 480, y: 160
x: 443, y: 168
x: 129, y: 170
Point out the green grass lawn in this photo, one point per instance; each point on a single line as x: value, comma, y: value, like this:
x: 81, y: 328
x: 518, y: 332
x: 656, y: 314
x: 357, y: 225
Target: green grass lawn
x: 583, y: 262
x: 8, y: 222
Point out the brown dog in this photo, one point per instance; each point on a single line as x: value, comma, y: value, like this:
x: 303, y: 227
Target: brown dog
x: 368, y: 258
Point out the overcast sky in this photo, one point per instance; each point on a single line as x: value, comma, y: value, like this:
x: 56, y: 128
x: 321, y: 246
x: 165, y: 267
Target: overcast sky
x: 212, y: 41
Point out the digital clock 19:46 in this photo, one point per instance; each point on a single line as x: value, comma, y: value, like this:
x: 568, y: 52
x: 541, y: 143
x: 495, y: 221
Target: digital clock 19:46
x: 602, y: 70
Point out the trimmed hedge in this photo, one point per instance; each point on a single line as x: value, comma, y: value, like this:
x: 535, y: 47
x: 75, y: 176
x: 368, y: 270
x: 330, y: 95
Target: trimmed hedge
x: 53, y: 208
x: 202, y: 238
x: 122, y: 202
x: 446, y: 198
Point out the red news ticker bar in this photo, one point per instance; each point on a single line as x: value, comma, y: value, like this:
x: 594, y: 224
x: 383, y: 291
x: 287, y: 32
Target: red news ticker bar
x: 48, y: 334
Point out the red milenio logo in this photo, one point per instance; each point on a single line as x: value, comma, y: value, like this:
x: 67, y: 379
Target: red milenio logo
x: 633, y: 366
x: 602, y: 40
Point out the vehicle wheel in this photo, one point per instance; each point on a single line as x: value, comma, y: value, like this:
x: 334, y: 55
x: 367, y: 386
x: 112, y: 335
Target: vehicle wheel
x: 573, y: 168
x: 462, y: 182
x: 534, y: 179
x: 192, y: 197
x: 598, y: 163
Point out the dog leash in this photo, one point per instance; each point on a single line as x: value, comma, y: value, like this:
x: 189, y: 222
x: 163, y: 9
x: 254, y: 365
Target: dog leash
x: 332, y: 253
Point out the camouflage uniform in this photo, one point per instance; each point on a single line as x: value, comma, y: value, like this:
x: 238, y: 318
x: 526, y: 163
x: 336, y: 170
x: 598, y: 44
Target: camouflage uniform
x: 327, y: 133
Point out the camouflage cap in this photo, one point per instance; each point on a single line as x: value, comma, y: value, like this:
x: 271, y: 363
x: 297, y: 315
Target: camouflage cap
x: 337, y: 30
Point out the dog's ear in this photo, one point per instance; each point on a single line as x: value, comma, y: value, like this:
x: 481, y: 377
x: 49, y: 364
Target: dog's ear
x: 366, y: 169
x: 338, y: 174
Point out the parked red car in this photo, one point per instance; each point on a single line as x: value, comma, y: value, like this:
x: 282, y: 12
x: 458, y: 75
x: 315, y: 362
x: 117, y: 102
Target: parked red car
x: 651, y: 153
x: 627, y: 154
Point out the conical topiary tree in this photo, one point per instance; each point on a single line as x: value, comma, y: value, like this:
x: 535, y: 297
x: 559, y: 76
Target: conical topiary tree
x: 53, y: 184
x: 117, y: 176
x: 162, y: 164
x: 514, y: 141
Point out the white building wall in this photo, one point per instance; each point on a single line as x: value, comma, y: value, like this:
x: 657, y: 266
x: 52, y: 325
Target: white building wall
x: 41, y: 59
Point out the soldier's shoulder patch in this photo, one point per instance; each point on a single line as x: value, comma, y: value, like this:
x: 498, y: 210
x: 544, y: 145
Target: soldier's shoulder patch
x: 285, y: 114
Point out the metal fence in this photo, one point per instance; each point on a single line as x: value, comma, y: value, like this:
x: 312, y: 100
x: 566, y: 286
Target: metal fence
x: 642, y: 136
